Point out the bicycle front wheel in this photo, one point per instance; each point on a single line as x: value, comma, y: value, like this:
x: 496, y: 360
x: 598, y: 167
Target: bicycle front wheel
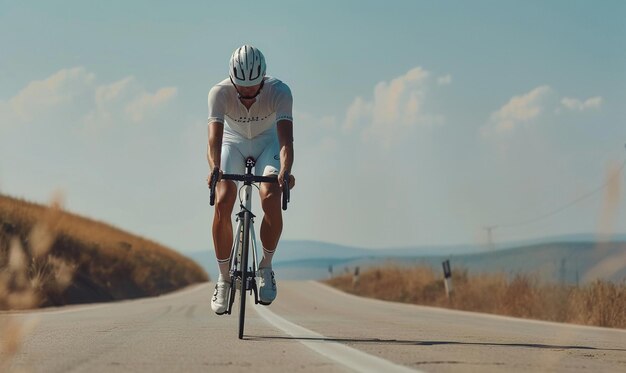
x: 244, y: 271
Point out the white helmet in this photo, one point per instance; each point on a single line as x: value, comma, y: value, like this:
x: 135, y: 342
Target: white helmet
x: 247, y: 66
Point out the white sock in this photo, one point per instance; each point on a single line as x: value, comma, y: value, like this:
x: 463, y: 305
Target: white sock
x: 266, y: 262
x: 224, y: 265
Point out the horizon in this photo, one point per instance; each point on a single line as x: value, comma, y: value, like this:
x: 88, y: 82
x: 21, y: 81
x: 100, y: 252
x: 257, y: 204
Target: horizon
x: 566, y: 238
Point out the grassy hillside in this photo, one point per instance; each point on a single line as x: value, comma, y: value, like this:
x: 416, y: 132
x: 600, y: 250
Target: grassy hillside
x: 600, y: 303
x: 51, y: 257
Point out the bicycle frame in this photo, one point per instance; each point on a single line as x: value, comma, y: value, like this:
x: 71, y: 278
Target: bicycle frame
x: 243, y: 276
x: 238, y: 253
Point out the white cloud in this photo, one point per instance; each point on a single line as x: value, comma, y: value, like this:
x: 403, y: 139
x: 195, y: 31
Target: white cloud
x: 74, y: 92
x: 111, y: 92
x: 127, y: 100
x: 396, y: 108
x: 519, y: 109
x: 39, y: 97
x: 109, y: 101
x: 147, y: 102
x: 444, y: 80
x: 576, y: 104
x: 357, y: 112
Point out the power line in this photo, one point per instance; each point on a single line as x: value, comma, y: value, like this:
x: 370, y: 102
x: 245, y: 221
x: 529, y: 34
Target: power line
x: 572, y: 203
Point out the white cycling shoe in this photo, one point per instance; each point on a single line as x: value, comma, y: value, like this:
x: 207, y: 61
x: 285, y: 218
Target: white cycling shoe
x: 219, y: 302
x: 267, y: 286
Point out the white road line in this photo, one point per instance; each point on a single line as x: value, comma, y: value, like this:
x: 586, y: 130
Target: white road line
x: 342, y: 354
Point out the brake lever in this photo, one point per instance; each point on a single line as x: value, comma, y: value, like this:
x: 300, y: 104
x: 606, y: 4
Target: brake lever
x: 286, y: 191
x: 213, y: 184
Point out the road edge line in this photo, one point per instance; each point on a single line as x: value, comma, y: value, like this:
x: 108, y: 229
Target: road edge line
x: 347, y: 356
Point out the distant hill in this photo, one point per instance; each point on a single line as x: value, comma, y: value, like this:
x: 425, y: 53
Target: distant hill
x: 565, y: 262
x: 570, y: 260
x: 295, y: 251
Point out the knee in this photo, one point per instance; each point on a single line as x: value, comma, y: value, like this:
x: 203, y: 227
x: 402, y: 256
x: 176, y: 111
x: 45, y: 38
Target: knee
x: 225, y: 199
x: 270, y: 198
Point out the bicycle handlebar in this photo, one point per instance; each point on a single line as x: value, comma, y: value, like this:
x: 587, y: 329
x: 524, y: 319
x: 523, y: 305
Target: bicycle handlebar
x: 249, y: 179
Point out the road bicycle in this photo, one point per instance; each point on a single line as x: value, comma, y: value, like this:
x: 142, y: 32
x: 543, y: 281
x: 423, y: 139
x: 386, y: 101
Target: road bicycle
x: 242, y: 274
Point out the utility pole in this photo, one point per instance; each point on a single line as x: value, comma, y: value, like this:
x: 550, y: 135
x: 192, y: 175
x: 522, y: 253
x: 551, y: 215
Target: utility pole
x: 489, y: 230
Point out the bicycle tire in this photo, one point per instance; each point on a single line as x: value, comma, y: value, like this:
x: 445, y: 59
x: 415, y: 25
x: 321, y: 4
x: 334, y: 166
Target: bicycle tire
x: 244, y: 272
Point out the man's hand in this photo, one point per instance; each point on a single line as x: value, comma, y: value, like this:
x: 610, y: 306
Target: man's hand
x: 213, y: 178
x: 216, y: 173
x: 281, y: 179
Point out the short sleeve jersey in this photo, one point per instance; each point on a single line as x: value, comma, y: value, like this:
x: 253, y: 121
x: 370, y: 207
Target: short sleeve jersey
x: 273, y: 104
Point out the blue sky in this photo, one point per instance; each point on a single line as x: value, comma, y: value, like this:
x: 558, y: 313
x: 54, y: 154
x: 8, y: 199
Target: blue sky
x: 415, y: 122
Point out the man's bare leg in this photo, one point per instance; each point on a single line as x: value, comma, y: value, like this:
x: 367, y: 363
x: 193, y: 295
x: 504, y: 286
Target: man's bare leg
x: 272, y: 224
x: 226, y: 194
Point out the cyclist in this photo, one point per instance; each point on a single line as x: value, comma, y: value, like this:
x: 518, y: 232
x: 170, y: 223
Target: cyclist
x: 250, y: 115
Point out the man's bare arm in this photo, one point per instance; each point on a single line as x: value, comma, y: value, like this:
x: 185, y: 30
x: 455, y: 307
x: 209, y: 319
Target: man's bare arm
x: 214, y: 149
x: 285, y: 140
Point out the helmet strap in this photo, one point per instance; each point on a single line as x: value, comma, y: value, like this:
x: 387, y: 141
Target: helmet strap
x: 240, y: 96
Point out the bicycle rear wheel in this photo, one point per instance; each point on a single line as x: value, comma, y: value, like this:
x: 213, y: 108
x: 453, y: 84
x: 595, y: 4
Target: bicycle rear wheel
x: 244, y: 271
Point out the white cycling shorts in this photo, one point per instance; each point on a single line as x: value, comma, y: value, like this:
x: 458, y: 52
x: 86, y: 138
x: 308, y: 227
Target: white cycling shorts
x: 263, y: 148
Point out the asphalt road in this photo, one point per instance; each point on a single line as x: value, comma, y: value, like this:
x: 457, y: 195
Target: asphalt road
x: 310, y: 327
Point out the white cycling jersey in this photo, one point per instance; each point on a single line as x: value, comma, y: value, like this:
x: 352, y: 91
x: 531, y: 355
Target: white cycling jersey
x: 274, y: 103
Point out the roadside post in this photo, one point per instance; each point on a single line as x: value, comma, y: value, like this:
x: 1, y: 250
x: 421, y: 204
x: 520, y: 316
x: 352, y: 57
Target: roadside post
x: 355, y: 277
x: 447, y: 277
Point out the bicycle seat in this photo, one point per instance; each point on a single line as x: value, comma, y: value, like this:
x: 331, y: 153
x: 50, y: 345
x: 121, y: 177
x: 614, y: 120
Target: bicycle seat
x: 250, y: 162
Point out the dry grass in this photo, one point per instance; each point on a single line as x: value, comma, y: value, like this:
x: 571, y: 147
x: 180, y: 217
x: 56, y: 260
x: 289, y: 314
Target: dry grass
x: 72, y: 259
x: 599, y: 303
